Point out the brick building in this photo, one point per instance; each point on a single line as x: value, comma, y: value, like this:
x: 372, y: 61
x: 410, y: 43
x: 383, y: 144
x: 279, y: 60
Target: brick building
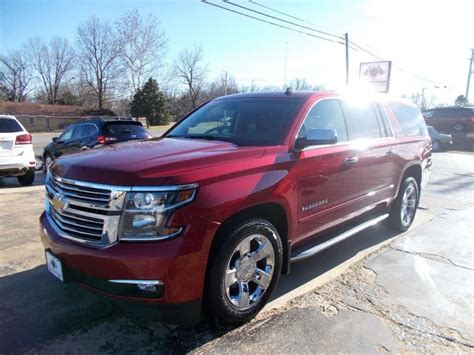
x: 37, y: 117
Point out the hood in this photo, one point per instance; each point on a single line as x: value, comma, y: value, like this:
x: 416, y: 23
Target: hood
x: 162, y: 161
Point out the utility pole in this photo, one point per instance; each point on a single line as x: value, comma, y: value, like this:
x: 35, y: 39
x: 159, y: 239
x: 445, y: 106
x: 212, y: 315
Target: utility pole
x: 225, y: 83
x: 346, y: 38
x: 285, y: 65
x: 469, y: 75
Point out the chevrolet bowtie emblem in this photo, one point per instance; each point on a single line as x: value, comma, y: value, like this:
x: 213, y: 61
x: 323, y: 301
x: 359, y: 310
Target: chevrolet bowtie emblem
x: 59, y: 202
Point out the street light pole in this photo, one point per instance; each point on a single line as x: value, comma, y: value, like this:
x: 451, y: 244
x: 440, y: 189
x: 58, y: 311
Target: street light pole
x: 469, y: 75
x: 346, y: 38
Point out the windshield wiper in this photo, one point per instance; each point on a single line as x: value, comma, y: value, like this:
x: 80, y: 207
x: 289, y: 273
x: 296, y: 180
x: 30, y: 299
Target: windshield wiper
x: 202, y: 136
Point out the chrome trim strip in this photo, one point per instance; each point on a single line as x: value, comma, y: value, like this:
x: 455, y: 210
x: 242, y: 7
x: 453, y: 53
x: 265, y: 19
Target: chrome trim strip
x: 151, y: 239
x: 339, y: 238
x: 125, y: 188
x: 137, y: 282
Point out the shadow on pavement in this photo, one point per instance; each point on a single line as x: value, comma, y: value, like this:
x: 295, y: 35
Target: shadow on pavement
x: 36, y: 308
x: 12, y: 182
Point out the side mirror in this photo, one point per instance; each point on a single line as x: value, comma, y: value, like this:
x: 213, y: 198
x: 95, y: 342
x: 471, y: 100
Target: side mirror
x: 316, y: 136
x: 55, y: 139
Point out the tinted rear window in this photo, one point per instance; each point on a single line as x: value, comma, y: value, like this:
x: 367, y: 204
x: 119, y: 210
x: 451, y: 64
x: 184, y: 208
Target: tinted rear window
x: 125, y: 128
x: 410, y: 119
x: 8, y: 125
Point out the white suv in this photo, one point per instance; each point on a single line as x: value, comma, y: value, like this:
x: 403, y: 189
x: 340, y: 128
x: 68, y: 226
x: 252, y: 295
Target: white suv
x: 17, y: 157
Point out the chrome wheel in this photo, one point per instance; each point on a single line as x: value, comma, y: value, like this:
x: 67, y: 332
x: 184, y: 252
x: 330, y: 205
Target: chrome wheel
x: 249, y: 271
x: 48, y: 161
x: 408, y: 207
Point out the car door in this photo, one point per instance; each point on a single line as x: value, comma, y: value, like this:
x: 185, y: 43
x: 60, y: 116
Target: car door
x: 74, y: 145
x: 61, y: 144
x: 327, y: 181
x: 88, y: 136
x: 377, y: 160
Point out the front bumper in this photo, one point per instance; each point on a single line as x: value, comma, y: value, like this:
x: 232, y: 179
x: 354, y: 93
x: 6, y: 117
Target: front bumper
x: 179, y: 263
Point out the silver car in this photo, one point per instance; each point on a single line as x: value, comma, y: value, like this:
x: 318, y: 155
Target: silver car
x: 439, y: 140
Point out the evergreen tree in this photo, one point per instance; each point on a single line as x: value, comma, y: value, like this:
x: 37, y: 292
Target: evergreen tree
x: 150, y: 102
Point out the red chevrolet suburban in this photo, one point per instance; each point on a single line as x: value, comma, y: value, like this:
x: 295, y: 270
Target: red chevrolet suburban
x: 208, y: 216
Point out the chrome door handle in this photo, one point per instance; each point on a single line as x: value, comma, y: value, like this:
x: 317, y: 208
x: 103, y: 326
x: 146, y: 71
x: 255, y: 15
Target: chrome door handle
x: 390, y: 152
x: 351, y: 160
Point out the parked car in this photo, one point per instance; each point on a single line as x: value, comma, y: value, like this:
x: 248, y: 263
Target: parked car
x: 439, y: 140
x: 92, y: 133
x: 17, y: 157
x: 450, y: 119
x: 209, y: 215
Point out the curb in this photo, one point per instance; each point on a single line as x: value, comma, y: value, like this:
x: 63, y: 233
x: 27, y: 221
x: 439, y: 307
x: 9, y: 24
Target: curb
x: 421, y: 218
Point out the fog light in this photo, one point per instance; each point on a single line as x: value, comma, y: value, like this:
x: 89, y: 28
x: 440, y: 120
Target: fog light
x: 147, y: 287
x: 144, y: 285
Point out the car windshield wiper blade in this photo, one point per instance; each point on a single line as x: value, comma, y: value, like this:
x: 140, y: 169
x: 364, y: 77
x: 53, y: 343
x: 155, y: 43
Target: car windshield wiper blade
x: 198, y: 136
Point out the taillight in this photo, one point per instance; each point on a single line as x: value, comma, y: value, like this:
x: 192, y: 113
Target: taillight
x: 472, y: 118
x: 23, y: 139
x: 105, y: 139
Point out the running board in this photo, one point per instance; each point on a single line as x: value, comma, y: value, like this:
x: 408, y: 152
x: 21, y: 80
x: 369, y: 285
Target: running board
x: 338, y: 238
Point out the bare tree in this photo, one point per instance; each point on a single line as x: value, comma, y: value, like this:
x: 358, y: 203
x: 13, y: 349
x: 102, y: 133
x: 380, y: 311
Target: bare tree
x: 98, y: 51
x: 225, y: 84
x: 300, y: 85
x: 422, y: 101
x: 141, y: 47
x: 252, y: 87
x: 52, y: 61
x: 189, y: 68
x: 15, y: 76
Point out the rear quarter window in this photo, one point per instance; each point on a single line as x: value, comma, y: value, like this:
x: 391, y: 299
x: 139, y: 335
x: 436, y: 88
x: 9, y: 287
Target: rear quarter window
x: 410, y: 119
x: 8, y: 125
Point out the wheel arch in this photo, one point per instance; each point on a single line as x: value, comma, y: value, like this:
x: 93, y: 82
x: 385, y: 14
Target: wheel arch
x: 414, y: 170
x: 273, y: 212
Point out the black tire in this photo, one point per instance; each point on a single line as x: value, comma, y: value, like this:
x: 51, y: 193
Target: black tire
x: 458, y: 128
x: 27, y: 179
x: 436, y: 145
x: 217, y: 300
x: 396, y: 220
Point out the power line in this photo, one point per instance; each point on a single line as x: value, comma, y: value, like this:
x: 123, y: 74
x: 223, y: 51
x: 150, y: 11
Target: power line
x: 280, y: 19
x: 269, y: 22
x: 285, y: 14
x: 351, y: 42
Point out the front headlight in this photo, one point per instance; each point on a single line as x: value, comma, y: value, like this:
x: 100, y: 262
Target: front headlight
x: 146, y: 213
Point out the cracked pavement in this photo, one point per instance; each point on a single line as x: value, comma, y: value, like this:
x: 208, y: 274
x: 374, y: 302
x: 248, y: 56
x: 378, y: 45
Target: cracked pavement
x: 414, y: 294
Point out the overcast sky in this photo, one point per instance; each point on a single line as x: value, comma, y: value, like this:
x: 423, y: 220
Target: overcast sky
x: 430, y: 39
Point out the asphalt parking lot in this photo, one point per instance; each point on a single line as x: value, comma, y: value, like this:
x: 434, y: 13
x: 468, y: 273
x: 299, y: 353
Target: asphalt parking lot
x: 409, y: 292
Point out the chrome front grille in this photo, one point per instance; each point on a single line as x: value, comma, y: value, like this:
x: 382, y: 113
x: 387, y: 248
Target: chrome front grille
x: 79, y: 226
x: 84, y: 212
x: 80, y: 193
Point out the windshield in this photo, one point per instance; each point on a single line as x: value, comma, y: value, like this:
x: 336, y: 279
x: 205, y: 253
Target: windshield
x: 242, y: 121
